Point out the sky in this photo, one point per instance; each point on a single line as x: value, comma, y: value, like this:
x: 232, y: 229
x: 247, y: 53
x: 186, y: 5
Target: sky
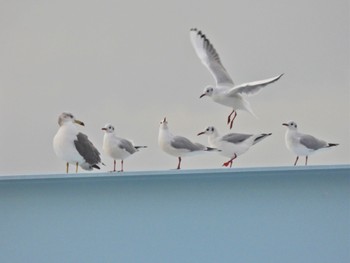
x: 132, y: 63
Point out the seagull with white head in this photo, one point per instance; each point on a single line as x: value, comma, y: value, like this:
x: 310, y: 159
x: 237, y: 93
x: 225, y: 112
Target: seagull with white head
x: 73, y: 146
x: 303, y: 144
x: 178, y: 146
x: 232, y: 145
x: 225, y: 92
x: 116, y: 147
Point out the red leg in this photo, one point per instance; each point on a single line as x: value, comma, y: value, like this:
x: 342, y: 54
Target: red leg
x: 179, y: 164
x: 234, y: 117
x: 296, y: 160
x: 115, y: 164
x: 122, y: 163
x: 229, y: 117
x: 229, y: 162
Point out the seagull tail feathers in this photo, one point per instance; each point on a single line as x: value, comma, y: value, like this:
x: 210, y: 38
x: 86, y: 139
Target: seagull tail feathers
x: 138, y: 147
x: 332, y: 144
x: 210, y: 149
x: 261, y: 137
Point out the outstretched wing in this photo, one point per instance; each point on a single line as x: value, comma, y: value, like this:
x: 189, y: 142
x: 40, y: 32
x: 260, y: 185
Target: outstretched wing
x: 209, y: 57
x: 252, y: 88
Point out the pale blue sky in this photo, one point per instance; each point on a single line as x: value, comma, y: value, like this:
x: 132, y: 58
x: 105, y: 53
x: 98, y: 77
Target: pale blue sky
x: 131, y: 64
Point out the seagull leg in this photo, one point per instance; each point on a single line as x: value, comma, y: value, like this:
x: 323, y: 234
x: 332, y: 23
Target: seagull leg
x: 229, y: 162
x: 122, y: 164
x: 115, y: 163
x: 67, y: 167
x: 229, y: 117
x: 76, y: 168
x: 234, y: 117
x: 307, y: 157
x: 296, y: 160
x: 178, y: 166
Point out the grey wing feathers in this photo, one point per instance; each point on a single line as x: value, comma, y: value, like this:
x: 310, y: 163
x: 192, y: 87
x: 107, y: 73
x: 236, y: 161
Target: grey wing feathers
x: 312, y: 143
x: 87, y: 150
x: 209, y: 57
x: 235, y: 137
x: 180, y: 142
x: 261, y: 137
x: 252, y: 88
x: 127, y: 146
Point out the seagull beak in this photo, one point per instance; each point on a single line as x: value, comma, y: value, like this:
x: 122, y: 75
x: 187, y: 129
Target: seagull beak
x: 201, y: 133
x: 201, y: 96
x: 104, y: 129
x: 285, y: 124
x: 79, y: 122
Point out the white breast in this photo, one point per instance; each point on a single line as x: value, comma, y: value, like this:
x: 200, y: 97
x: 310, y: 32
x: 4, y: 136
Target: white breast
x: 64, y: 147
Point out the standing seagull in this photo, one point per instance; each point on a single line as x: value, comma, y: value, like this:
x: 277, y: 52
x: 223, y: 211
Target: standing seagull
x: 233, y: 144
x: 73, y: 146
x: 178, y: 146
x: 303, y: 144
x: 225, y: 92
x: 116, y: 147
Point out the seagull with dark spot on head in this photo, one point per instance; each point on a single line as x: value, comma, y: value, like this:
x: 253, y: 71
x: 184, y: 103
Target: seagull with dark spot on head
x: 303, y: 144
x: 225, y: 91
x: 73, y: 146
x: 232, y: 145
x: 178, y: 146
x: 116, y: 147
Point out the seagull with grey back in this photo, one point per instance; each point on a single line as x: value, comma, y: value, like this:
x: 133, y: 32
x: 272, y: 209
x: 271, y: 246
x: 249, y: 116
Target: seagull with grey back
x: 116, y: 147
x: 178, y: 146
x: 232, y: 145
x: 225, y: 92
x: 303, y: 144
x: 73, y: 146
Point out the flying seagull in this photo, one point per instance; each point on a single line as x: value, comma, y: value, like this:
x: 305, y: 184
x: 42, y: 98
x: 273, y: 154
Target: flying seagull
x: 232, y: 145
x: 224, y: 91
x: 117, y: 148
x: 303, y: 144
x: 73, y: 146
